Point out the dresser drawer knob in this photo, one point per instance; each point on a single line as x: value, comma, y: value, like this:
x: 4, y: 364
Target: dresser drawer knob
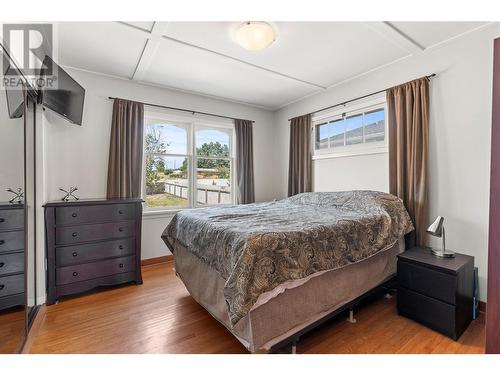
x: 74, y: 214
x: 75, y: 273
x: 2, y: 242
x: 74, y: 234
x: 2, y: 264
x: 121, y: 247
x: 2, y: 219
x: 121, y: 265
x: 120, y: 212
x: 120, y: 229
x: 2, y: 287
x: 75, y: 254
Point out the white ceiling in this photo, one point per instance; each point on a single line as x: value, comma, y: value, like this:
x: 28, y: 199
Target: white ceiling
x: 201, y: 57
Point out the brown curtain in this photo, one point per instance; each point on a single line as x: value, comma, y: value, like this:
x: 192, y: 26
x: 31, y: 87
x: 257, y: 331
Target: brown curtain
x: 408, y: 107
x: 125, y: 150
x: 300, y: 158
x: 244, y: 162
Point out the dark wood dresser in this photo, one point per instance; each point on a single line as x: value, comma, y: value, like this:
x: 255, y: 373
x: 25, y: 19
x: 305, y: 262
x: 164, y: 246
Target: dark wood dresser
x: 437, y: 292
x: 11, y: 255
x: 92, y: 243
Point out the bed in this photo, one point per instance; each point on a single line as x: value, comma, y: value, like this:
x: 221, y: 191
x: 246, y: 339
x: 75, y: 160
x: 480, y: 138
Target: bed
x: 268, y: 270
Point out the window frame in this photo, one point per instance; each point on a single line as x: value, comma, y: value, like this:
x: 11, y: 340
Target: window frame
x: 363, y: 148
x: 231, y: 133
x: 191, y: 124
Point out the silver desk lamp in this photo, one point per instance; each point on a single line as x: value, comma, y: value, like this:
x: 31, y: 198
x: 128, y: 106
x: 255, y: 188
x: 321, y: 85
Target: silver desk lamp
x: 437, y: 229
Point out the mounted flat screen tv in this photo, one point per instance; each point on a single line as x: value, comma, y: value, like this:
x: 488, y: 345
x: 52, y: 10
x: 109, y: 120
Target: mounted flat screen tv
x: 15, y: 96
x: 67, y: 100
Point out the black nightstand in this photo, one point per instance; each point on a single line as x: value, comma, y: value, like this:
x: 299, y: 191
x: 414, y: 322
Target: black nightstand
x: 436, y: 292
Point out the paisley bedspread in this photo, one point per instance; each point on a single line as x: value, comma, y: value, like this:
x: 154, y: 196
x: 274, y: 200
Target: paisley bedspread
x: 257, y: 247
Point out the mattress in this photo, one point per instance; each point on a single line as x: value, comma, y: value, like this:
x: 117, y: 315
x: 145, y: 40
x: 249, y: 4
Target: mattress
x: 291, y: 306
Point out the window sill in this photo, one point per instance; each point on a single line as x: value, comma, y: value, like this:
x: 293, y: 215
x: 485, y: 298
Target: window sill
x: 153, y: 214
x: 150, y: 215
x: 380, y: 150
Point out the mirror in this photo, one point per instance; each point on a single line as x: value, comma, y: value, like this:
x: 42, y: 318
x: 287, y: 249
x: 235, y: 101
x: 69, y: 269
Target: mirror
x: 18, y: 302
x: 12, y: 235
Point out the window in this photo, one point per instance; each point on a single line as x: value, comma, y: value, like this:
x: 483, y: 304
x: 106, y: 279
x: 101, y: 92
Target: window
x: 213, y: 167
x: 186, y: 164
x: 355, y: 130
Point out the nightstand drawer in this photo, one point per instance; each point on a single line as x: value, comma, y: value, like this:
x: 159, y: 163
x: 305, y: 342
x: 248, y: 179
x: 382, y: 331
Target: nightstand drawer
x: 427, y: 281
x: 435, y: 314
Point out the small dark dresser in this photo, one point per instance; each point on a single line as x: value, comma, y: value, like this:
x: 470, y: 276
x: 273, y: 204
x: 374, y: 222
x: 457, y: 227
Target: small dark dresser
x: 11, y: 255
x: 92, y: 243
x: 436, y: 292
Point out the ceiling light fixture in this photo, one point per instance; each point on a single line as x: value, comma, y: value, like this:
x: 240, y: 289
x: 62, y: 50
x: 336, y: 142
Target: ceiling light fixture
x: 255, y: 35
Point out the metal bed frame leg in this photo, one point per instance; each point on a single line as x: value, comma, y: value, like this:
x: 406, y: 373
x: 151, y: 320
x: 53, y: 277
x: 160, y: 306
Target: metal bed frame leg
x: 294, y: 347
x: 351, y: 318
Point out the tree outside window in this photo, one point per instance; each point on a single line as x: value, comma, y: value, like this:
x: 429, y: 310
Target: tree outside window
x: 168, y: 161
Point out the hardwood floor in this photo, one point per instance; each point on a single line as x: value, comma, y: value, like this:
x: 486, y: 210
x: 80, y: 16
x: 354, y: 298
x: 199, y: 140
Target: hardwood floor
x: 11, y: 330
x: 160, y: 317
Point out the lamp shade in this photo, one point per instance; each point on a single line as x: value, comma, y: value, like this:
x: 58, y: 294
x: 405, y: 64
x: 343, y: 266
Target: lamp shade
x: 436, y: 228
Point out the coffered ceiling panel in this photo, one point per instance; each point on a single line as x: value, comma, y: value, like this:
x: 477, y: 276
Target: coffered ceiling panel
x: 428, y: 34
x: 147, y: 26
x: 102, y: 47
x: 181, y: 66
x: 323, y: 53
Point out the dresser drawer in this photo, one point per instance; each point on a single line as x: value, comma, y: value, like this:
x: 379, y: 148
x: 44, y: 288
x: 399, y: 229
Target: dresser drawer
x: 11, y: 241
x: 427, y: 281
x: 94, y: 232
x: 70, y: 255
x: 92, y: 214
x: 87, y: 271
x: 11, y: 263
x: 11, y: 285
x: 435, y: 314
x: 11, y: 219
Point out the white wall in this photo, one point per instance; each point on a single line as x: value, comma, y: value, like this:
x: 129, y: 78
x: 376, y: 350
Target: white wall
x: 78, y: 155
x: 460, y: 125
x: 361, y: 172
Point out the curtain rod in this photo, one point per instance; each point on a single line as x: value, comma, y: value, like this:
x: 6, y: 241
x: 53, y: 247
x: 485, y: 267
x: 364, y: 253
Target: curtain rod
x: 358, y: 98
x: 182, y: 109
